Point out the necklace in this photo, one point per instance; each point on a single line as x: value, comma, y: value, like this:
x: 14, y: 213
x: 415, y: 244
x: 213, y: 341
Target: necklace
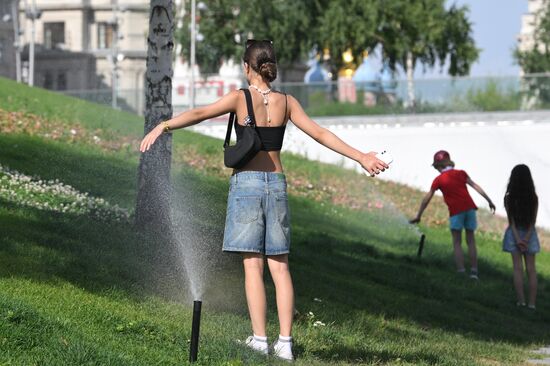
x: 265, y: 96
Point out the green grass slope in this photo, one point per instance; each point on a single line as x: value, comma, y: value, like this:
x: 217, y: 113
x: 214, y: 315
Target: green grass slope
x: 82, y: 288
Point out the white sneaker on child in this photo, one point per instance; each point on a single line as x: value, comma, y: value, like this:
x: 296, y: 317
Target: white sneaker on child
x: 257, y: 344
x: 282, y: 348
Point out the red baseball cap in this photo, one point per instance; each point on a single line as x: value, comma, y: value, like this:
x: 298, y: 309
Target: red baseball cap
x: 441, y: 157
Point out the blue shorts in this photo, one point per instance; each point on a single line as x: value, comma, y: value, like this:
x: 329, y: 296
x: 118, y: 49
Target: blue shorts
x: 463, y: 220
x: 257, y: 219
x: 509, y: 242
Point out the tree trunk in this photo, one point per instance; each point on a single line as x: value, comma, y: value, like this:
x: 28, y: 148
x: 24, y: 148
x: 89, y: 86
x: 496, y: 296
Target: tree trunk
x: 411, y: 103
x: 154, y: 190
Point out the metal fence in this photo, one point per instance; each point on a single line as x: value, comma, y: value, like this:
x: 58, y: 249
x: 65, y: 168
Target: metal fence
x: 469, y: 94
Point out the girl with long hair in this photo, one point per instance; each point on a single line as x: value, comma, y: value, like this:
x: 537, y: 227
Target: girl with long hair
x: 520, y: 238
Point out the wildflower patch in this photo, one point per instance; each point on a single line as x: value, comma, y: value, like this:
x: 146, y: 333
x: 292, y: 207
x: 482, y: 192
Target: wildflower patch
x: 55, y: 196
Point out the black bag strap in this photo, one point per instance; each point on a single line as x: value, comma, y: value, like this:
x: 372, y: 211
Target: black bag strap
x: 249, y: 107
x: 229, y: 127
x: 286, y: 107
x: 231, y: 120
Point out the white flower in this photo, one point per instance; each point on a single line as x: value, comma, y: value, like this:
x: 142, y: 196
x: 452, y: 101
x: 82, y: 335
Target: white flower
x: 318, y: 323
x: 73, y: 131
x: 53, y: 195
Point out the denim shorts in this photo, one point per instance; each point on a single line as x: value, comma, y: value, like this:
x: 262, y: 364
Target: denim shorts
x: 257, y: 219
x: 509, y: 242
x: 463, y: 220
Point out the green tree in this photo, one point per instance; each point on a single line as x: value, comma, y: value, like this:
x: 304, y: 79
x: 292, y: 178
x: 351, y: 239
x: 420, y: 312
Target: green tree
x: 421, y: 31
x: 536, y: 59
x: 217, y: 23
x: 226, y: 24
x: 347, y: 25
x: 424, y: 31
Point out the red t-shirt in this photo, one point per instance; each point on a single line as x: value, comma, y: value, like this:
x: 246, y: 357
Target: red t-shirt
x: 452, y: 183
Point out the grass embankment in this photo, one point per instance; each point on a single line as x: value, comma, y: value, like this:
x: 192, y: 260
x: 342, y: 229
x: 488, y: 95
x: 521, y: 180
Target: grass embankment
x: 78, y: 290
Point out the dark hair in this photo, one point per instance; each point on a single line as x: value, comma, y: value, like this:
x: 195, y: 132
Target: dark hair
x: 260, y: 56
x: 520, y: 199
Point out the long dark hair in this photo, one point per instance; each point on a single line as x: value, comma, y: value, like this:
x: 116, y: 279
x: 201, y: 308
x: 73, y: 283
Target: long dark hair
x: 260, y: 56
x: 521, y: 199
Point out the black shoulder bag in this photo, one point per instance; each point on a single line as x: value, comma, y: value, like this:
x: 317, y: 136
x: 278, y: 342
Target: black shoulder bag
x: 247, y: 147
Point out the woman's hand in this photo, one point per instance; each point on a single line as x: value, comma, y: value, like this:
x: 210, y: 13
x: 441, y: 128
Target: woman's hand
x: 151, y: 137
x: 523, y: 245
x: 372, y: 164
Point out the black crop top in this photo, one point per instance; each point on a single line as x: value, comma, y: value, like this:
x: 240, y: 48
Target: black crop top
x: 272, y: 137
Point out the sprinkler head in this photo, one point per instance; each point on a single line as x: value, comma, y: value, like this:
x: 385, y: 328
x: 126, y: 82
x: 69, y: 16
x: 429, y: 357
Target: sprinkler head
x: 421, y: 245
x: 195, y: 328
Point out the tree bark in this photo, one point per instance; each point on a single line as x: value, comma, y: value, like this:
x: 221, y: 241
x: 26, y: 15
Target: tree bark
x: 411, y: 103
x: 154, y: 189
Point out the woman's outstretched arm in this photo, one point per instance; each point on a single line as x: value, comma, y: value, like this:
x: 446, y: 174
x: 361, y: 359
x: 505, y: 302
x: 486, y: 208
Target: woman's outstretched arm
x: 368, y: 161
x: 226, y: 104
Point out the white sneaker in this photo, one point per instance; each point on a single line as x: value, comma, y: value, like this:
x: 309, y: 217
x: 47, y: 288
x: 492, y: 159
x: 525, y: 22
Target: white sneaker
x: 283, y: 349
x: 257, y: 344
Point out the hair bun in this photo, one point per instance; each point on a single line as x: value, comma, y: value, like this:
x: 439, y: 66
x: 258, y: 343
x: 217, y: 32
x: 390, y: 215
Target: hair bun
x: 268, y: 70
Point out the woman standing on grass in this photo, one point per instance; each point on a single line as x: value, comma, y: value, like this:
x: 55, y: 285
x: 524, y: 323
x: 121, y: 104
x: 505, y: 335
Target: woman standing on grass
x: 520, y: 239
x: 257, y: 222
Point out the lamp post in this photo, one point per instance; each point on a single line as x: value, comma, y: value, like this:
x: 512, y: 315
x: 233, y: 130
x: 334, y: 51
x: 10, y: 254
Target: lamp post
x: 192, y: 55
x: 114, y: 55
x: 17, y: 35
x: 32, y: 14
x: 194, y: 38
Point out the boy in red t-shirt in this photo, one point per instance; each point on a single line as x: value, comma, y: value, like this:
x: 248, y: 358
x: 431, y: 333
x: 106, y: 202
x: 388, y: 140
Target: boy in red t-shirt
x: 462, y: 209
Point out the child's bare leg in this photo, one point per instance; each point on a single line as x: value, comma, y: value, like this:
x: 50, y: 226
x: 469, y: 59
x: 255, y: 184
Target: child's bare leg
x: 457, y: 244
x: 518, y: 276
x: 472, y: 251
x: 278, y: 266
x: 532, y: 273
x: 255, y: 291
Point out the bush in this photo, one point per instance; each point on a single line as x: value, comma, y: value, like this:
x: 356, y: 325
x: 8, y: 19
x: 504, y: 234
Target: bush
x: 492, y: 98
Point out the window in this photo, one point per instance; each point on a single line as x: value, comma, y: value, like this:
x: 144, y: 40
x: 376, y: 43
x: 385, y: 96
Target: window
x: 54, y: 34
x: 104, y: 35
x: 61, y: 81
x: 48, y: 80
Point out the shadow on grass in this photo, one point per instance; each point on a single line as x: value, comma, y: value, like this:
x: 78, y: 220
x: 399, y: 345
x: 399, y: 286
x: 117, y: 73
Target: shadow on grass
x: 100, y: 256
x: 338, y: 353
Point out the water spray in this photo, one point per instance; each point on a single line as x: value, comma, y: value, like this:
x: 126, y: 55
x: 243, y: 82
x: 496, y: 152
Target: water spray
x: 195, y: 327
x: 421, y: 245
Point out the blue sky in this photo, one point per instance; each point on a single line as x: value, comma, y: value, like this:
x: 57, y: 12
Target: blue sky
x: 496, y: 25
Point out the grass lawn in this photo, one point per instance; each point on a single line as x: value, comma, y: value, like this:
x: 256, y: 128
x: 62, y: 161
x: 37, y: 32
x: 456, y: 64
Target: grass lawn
x: 78, y: 288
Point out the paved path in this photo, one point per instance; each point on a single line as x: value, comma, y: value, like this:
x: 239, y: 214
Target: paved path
x: 544, y: 361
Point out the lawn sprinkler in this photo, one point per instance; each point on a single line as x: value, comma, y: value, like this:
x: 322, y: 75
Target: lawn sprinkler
x: 195, y: 327
x: 421, y: 245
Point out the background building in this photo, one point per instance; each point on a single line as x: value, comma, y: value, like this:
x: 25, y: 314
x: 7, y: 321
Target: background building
x: 529, y: 22
x: 89, y: 44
